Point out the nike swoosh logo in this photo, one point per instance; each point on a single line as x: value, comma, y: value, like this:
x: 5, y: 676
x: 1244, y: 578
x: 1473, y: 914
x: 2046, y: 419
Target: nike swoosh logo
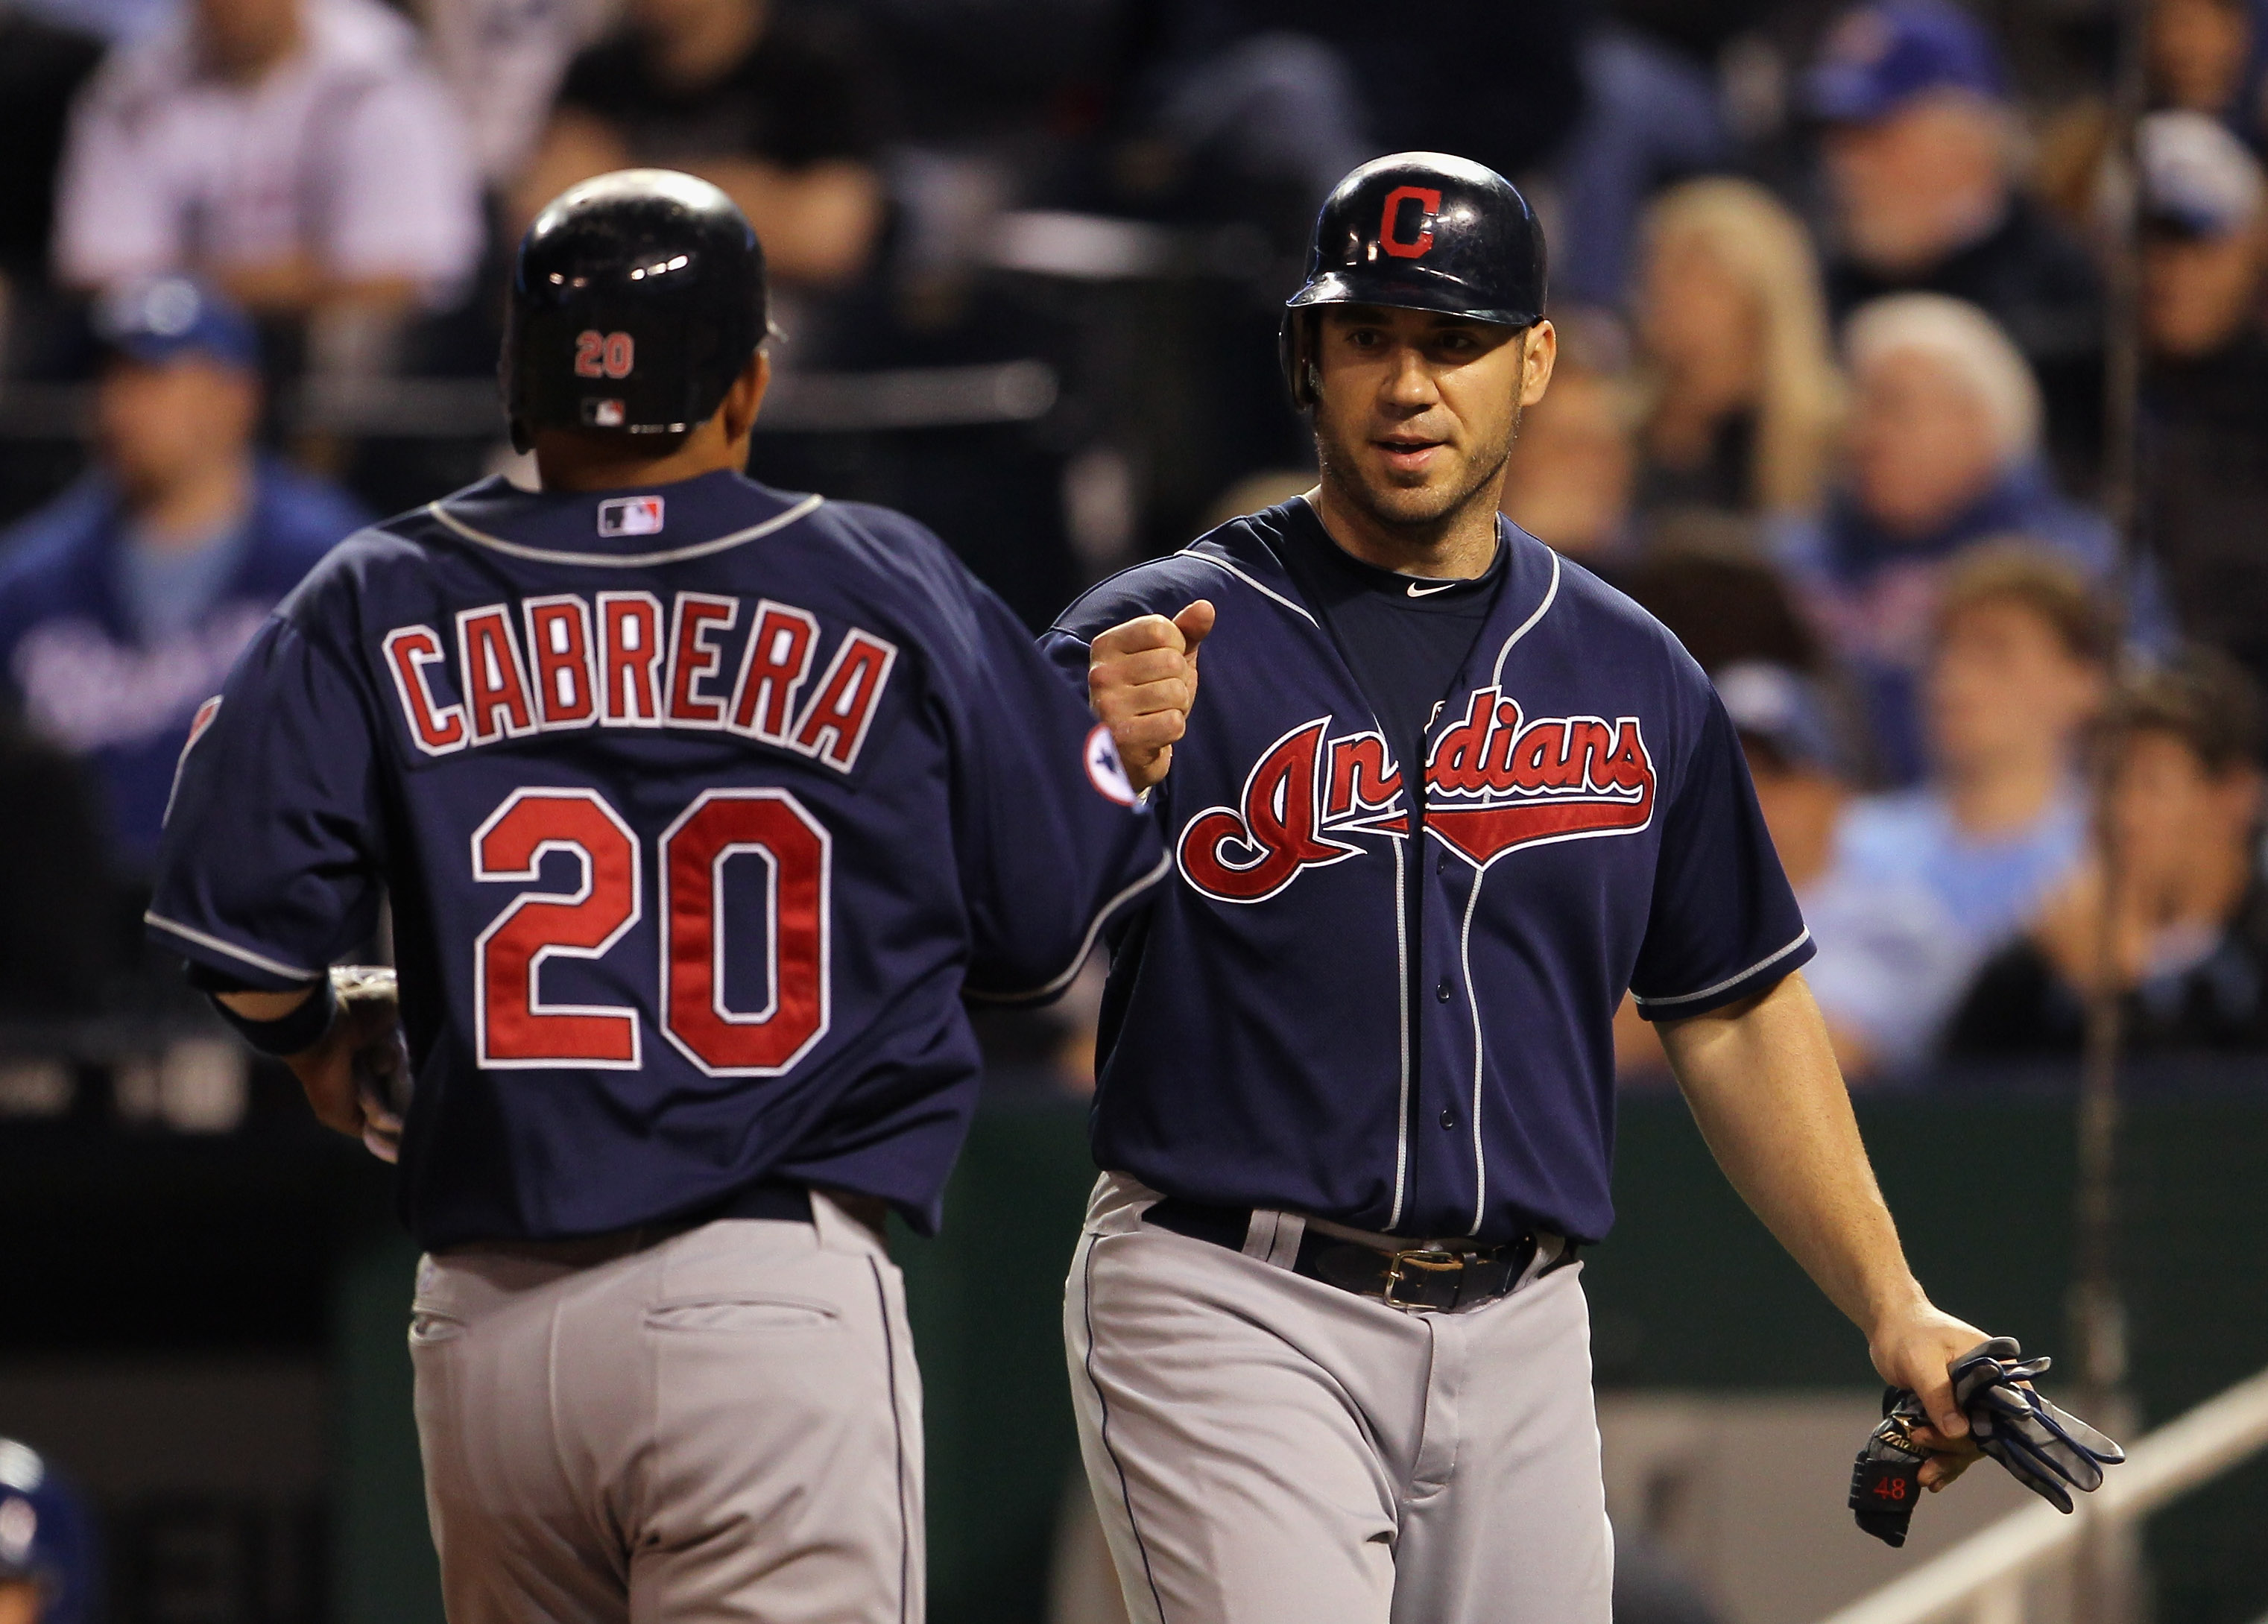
x: 1415, y: 591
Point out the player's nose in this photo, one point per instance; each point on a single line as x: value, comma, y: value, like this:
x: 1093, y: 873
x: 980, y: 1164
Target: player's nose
x: 1409, y: 382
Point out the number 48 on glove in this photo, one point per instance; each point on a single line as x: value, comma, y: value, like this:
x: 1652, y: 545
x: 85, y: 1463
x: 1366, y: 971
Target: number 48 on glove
x: 2049, y: 1450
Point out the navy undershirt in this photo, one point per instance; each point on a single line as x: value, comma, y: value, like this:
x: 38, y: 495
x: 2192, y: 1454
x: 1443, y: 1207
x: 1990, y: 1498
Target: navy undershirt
x: 1404, y: 649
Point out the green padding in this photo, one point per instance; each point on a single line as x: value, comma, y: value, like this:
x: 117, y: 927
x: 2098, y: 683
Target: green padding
x: 1689, y: 1292
x: 386, y: 1571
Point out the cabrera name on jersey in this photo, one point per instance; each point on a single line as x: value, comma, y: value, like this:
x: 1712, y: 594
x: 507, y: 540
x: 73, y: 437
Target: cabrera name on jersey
x: 698, y: 811
x: 571, y: 661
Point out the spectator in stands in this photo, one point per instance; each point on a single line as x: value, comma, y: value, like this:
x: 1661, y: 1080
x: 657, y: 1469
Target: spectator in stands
x: 1505, y: 95
x: 1944, y: 445
x: 1254, y: 108
x: 1880, y: 929
x: 124, y: 602
x: 1282, y: 112
x: 767, y: 102
x: 1919, y: 147
x: 2203, y: 59
x: 502, y: 60
x: 1733, y: 323
x: 2190, y: 921
x: 2017, y: 666
x: 1574, y: 462
x: 2205, y: 389
x: 298, y: 154
x: 1650, y: 115
x: 1701, y: 578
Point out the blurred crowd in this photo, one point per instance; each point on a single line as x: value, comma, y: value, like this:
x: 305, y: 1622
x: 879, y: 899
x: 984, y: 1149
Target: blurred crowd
x: 1831, y: 284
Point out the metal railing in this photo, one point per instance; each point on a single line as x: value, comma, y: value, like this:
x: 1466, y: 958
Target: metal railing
x: 1982, y: 1579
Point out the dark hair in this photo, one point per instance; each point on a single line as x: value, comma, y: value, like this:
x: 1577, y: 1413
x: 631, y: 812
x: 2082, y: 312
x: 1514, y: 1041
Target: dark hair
x: 1704, y: 581
x: 2026, y: 574
x: 2203, y: 698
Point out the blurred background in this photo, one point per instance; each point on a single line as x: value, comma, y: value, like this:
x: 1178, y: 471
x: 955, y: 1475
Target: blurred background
x: 1843, y: 296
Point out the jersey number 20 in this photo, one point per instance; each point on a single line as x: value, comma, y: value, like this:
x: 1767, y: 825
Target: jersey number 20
x: 518, y: 1029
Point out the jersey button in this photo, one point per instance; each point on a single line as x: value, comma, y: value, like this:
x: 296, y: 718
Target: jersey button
x: 1442, y: 992
x: 1449, y: 1117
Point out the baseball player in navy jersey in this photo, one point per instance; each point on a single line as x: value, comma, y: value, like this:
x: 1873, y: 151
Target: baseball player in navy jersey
x: 699, y: 806
x: 1442, y: 798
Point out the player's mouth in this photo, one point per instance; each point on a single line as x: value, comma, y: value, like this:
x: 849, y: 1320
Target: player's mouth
x: 1409, y: 453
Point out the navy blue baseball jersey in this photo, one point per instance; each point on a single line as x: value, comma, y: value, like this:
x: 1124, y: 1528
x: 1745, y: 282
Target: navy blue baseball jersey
x: 698, y: 807
x: 1276, y: 1034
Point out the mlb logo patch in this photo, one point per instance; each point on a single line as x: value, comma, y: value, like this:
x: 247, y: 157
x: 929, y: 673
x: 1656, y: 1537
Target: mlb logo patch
x: 629, y: 515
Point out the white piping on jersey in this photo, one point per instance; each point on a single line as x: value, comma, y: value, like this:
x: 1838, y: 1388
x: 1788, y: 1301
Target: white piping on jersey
x: 273, y: 967
x: 1402, y: 982
x: 1765, y: 963
x: 1086, y: 943
x: 626, y: 560
x: 1220, y: 563
x: 1527, y: 625
x: 1472, y: 998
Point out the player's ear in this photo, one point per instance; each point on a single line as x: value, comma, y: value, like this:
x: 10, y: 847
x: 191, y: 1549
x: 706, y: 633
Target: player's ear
x: 745, y: 397
x: 1539, y: 353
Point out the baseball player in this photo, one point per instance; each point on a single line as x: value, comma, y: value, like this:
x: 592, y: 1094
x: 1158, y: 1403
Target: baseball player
x: 698, y: 805
x: 1442, y: 798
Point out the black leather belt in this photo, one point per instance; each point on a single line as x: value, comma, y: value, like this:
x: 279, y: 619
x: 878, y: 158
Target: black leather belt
x: 1443, y: 1280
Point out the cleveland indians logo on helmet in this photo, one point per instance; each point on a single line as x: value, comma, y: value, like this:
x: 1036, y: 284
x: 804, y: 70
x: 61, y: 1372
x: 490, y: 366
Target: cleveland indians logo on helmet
x: 1495, y: 782
x: 1428, y: 199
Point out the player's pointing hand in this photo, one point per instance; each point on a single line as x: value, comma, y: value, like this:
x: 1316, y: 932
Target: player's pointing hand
x: 1142, y: 679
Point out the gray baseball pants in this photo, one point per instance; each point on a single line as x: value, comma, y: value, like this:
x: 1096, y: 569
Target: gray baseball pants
x: 720, y: 1427
x: 1267, y: 1449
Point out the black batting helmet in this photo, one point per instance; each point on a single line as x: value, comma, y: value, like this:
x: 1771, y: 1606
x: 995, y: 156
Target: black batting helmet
x: 637, y: 297
x: 1418, y: 231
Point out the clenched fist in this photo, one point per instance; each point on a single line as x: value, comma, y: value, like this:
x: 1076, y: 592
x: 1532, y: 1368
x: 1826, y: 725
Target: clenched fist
x: 1142, y: 679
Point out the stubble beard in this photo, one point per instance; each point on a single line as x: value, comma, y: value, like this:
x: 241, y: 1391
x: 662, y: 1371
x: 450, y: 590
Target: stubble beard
x: 1418, y: 514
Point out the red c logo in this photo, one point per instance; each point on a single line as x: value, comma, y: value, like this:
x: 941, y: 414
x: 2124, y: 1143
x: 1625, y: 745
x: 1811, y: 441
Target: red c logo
x: 1408, y: 248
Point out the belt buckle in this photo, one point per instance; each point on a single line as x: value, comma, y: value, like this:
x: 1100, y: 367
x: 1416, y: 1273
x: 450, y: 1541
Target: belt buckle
x: 1426, y: 1261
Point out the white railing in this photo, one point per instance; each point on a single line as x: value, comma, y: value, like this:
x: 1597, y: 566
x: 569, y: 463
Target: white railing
x: 1982, y: 1579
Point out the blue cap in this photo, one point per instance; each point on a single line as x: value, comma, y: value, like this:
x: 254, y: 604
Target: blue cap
x: 2198, y: 179
x: 154, y: 320
x: 1786, y: 711
x: 1878, y: 57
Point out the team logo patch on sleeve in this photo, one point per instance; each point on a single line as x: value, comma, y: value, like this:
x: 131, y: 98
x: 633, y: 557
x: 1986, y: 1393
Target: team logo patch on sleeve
x: 206, y: 714
x: 1105, y: 770
x: 630, y: 516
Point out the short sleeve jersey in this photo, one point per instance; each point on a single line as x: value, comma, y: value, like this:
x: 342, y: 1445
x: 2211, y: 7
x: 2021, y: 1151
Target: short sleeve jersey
x: 1273, y: 1037
x: 698, y: 808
